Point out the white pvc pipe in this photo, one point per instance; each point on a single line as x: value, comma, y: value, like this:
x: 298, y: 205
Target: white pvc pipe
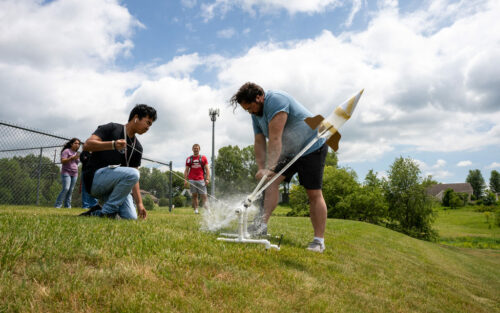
x: 245, y: 240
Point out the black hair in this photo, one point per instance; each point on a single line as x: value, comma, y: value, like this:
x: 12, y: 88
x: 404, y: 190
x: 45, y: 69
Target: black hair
x: 247, y: 93
x: 68, y: 144
x: 142, y: 110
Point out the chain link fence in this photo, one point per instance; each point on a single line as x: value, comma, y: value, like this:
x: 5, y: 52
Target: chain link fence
x: 30, y: 168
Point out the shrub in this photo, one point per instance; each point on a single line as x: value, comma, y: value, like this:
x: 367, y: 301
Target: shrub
x: 490, y: 199
x: 497, y: 217
x: 464, y: 196
x: 338, y: 184
x: 299, y: 202
x: 179, y: 201
x: 163, y: 202
x: 148, y: 202
x: 364, y: 204
x: 447, y: 196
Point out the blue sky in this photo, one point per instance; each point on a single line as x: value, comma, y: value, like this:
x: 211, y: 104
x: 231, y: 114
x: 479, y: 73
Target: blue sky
x: 430, y: 72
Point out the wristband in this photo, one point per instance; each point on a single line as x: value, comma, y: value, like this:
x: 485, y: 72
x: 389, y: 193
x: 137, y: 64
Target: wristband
x: 113, y: 144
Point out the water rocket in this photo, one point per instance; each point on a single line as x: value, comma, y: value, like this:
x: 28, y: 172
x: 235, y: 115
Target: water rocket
x: 335, y: 120
x: 327, y: 128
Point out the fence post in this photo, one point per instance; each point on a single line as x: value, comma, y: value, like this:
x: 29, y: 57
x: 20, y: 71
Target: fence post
x: 39, y: 177
x: 170, y: 182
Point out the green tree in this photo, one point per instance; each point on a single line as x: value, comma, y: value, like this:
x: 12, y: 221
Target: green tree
x: 372, y: 180
x: 366, y: 203
x: 490, y: 199
x: 337, y: 184
x: 448, y: 193
x: 21, y: 189
x: 331, y: 158
x: 429, y: 181
x: 495, y: 182
x: 464, y: 197
x: 145, y: 178
x: 235, y: 170
x: 148, y: 202
x: 410, y: 209
x: 299, y: 202
x: 475, y: 178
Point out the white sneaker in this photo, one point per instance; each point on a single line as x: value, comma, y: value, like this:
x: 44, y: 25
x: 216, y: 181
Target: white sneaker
x: 257, y: 230
x: 196, y: 211
x: 316, y: 246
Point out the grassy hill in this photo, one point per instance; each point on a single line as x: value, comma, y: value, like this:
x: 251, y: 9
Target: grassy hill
x: 53, y: 261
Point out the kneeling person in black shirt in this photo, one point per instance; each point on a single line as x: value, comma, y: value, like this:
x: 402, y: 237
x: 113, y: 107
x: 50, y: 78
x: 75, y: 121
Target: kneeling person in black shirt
x: 111, y: 173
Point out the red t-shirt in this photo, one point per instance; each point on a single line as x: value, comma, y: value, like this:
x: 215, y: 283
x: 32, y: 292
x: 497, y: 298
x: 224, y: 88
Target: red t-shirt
x: 196, y: 171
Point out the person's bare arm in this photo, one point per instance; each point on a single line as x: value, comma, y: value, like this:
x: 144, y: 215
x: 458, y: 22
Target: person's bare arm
x: 136, y: 194
x: 259, y: 148
x: 276, y: 127
x: 207, y: 174
x: 186, y: 173
x: 272, y: 153
x: 95, y: 143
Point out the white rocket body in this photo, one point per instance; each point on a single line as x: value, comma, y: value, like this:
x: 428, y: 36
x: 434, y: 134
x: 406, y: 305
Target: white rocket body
x: 335, y: 120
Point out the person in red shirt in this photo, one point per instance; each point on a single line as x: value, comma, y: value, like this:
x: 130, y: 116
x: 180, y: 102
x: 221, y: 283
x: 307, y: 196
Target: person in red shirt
x: 197, y: 173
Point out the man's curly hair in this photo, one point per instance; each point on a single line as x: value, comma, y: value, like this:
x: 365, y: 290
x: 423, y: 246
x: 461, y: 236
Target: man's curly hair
x: 247, y: 93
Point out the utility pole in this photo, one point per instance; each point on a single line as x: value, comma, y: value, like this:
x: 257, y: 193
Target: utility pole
x: 213, y: 116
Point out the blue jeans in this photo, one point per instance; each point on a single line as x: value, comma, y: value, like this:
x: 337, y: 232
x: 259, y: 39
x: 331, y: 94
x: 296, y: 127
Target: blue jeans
x: 68, y: 183
x: 87, y: 200
x: 113, y: 187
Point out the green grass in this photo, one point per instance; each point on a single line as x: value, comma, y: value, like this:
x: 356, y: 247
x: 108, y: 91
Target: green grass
x: 467, y: 228
x: 53, y: 261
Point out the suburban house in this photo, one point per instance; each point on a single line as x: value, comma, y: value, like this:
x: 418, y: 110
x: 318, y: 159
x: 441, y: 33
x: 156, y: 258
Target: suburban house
x: 439, y: 189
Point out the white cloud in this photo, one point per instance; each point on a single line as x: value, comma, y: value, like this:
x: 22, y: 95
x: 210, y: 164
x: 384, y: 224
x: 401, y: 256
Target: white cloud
x: 439, y: 164
x: 221, y: 7
x: 180, y: 66
x: 54, y: 63
x: 67, y: 33
x: 464, y: 163
x: 356, y: 6
x: 437, y: 170
x: 427, y: 87
x: 226, y: 33
x: 416, y: 84
x: 493, y: 165
x: 189, y: 3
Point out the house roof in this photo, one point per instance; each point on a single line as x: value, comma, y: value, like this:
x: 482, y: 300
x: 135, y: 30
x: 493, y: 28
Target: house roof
x: 461, y: 187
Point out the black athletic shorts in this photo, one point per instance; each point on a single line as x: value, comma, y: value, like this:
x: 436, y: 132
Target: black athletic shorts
x: 310, y: 168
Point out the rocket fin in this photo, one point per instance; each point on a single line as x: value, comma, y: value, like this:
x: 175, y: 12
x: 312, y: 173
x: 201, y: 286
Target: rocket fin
x: 333, y: 141
x: 314, y: 122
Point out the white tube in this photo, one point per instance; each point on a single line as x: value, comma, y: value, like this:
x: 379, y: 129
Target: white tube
x: 264, y: 242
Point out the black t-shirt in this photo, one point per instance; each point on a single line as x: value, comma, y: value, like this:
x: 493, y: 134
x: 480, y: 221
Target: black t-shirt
x: 100, y: 159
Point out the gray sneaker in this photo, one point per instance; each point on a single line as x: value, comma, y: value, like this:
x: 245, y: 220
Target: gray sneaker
x: 257, y: 230
x: 316, y: 246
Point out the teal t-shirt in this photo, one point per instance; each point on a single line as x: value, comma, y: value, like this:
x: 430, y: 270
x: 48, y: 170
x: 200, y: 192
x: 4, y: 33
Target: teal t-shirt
x: 297, y: 134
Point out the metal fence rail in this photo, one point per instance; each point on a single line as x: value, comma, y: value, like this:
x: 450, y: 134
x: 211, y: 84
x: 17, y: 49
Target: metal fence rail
x: 30, y: 170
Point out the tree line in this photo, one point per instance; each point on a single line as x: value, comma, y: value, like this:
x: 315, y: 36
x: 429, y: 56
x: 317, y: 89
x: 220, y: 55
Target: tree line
x: 398, y: 201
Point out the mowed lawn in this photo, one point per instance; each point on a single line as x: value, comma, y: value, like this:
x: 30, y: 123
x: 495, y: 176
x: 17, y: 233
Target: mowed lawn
x: 53, y: 261
x: 465, y: 227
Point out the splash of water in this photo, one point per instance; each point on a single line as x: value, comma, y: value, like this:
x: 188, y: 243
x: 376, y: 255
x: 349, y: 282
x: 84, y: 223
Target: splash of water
x: 221, y: 214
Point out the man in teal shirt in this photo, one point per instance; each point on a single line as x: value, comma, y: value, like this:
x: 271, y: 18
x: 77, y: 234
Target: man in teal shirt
x: 280, y: 133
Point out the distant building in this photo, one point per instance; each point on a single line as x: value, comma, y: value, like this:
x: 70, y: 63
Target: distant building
x: 439, y: 189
